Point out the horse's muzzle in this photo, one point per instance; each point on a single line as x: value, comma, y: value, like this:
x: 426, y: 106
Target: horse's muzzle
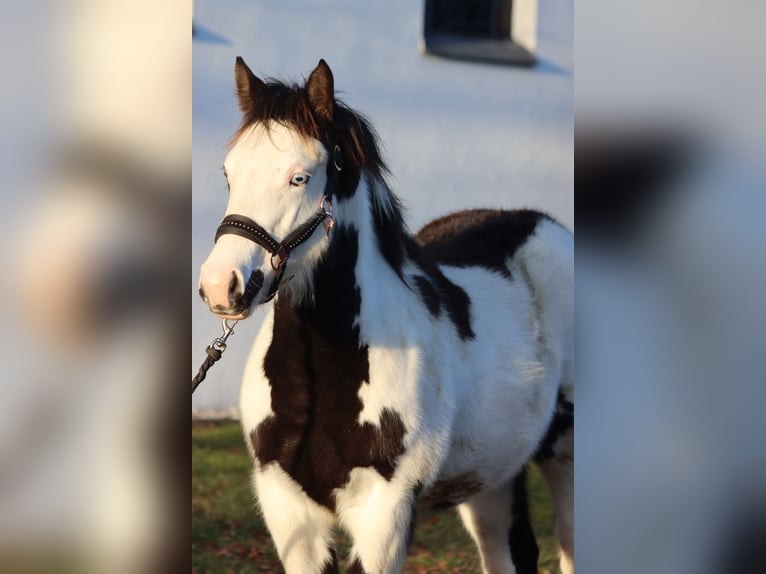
x: 232, y: 301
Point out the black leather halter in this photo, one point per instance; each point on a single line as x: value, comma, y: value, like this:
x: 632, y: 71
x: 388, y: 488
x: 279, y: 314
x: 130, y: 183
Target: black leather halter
x: 280, y: 250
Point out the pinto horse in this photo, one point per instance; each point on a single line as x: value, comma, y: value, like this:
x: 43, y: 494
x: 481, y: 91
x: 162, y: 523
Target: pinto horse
x: 389, y: 368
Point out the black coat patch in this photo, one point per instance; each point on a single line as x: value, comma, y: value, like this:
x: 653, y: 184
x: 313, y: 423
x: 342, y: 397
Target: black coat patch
x: 451, y: 491
x: 397, y: 246
x: 437, y: 292
x: 472, y: 238
x: 315, y: 366
x: 478, y: 237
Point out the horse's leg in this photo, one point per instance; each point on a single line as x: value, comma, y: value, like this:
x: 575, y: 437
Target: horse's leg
x: 300, y: 528
x: 521, y: 537
x: 558, y: 470
x: 487, y: 517
x: 379, y: 516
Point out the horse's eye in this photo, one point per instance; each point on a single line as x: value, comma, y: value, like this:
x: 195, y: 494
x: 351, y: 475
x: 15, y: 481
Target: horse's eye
x: 300, y: 179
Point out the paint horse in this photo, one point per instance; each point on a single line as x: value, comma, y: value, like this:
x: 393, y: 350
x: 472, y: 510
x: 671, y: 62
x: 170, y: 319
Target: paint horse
x: 389, y: 368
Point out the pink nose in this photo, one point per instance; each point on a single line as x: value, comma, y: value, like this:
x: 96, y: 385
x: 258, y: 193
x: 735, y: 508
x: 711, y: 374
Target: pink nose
x: 220, y: 290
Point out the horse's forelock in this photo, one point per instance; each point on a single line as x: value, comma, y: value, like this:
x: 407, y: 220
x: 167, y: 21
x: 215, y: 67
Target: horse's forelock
x: 283, y: 104
x: 289, y: 105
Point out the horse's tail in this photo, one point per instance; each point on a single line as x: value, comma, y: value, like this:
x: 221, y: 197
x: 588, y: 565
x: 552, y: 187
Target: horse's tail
x: 546, y: 262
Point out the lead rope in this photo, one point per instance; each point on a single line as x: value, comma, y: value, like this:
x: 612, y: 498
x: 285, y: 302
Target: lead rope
x: 214, y: 352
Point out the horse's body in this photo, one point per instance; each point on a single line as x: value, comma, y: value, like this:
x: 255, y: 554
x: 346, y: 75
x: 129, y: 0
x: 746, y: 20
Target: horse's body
x: 391, y: 368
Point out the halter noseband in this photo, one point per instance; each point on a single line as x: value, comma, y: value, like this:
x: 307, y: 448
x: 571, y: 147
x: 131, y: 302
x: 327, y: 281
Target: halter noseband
x: 280, y: 250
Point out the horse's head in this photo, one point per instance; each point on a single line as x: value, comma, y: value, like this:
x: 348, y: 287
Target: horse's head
x: 279, y: 168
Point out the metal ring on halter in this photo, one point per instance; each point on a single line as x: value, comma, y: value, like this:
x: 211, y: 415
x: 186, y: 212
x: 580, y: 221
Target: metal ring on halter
x: 337, y: 158
x: 283, y: 256
x: 325, y: 204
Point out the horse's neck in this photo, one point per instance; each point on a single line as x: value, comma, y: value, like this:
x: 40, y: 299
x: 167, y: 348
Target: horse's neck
x: 359, y: 286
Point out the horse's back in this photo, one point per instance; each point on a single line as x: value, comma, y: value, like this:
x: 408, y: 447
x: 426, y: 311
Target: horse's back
x: 533, y: 252
x: 485, y: 237
x: 521, y: 242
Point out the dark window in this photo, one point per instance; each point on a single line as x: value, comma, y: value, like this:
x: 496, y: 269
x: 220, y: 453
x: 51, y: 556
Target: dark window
x: 473, y: 30
x: 476, y: 18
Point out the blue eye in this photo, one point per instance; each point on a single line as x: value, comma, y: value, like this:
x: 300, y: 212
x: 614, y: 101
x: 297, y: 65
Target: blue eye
x: 300, y: 179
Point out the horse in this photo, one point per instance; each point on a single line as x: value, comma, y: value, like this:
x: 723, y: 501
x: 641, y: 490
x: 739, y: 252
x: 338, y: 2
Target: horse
x: 390, y: 368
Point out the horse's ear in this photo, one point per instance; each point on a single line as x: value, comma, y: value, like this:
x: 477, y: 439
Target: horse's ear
x: 249, y: 86
x: 321, y: 91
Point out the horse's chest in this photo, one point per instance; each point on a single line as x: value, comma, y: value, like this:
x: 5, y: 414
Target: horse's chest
x: 314, y: 433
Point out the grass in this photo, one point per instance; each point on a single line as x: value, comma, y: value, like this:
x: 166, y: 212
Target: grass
x: 229, y: 536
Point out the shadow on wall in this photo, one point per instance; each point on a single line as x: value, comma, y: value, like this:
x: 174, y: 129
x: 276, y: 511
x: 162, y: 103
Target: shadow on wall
x: 207, y: 36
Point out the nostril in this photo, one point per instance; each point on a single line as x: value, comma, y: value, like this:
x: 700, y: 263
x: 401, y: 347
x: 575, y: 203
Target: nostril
x: 202, y: 294
x: 234, y: 290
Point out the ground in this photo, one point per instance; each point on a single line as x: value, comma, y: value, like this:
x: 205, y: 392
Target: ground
x: 229, y: 537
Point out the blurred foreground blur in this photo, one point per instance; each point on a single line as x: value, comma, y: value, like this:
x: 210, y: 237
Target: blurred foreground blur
x: 671, y: 276
x: 96, y: 115
x: 95, y: 234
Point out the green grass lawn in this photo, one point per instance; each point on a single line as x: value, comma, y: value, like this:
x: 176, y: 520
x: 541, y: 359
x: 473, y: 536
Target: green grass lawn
x: 228, y: 535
